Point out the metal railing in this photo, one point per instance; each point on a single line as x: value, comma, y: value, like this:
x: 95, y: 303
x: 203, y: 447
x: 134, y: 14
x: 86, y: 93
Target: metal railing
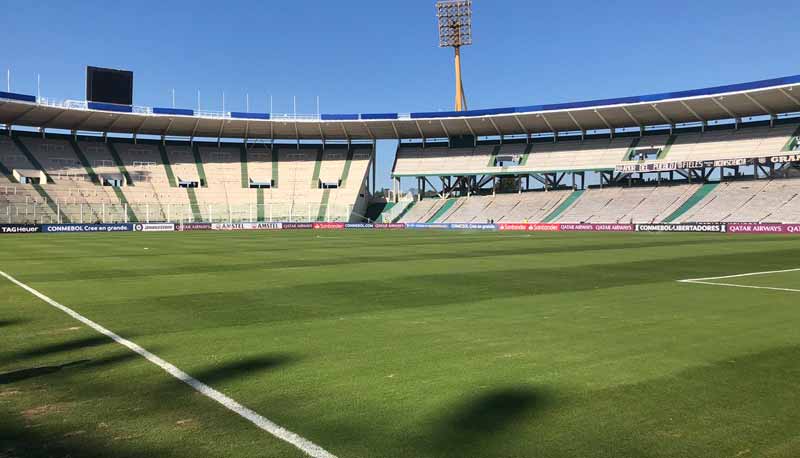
x: 84, y: 105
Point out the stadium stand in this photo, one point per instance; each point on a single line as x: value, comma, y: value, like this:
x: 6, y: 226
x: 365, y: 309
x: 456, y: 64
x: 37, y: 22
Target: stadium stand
x: 609, y: 161
x: 91, y: 180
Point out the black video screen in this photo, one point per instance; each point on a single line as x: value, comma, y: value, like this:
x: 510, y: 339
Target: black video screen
x: 109, y: 86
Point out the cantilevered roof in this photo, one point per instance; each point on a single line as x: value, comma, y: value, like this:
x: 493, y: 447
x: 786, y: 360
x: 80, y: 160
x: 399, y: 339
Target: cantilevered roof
x: 767, y: 97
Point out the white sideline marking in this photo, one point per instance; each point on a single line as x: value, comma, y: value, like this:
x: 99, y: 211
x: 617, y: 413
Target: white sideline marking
x: 704, y: 281
x: 263, y: 423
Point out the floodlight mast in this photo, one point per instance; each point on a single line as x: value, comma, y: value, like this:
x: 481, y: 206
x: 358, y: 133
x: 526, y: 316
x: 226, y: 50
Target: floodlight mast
x: 455, y: 31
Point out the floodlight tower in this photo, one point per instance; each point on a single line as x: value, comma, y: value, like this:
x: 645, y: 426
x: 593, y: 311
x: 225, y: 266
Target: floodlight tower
x: 455, y: 31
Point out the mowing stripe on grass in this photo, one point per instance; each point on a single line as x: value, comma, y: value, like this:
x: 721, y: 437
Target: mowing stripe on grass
x: 261, y: 422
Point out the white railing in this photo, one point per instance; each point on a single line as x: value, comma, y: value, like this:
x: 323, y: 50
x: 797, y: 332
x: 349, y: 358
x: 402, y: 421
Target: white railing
x: 300, y: 117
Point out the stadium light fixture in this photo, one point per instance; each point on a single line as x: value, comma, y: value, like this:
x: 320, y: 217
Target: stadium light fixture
x: 455, y: 31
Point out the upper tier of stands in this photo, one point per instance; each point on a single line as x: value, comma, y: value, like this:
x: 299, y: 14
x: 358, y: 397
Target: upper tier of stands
x: 592, y: 154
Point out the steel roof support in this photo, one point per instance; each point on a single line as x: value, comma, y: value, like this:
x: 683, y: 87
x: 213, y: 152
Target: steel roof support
x: 522, y: 126
x: 164, y: 132
x: 663, y: 116
x: 194, y: 130
x: 691, y: 110
x: 758, y: 104
x: 394, y: 128
x: 790, y: 96
x: 635, y: 121
x: 494, y: 124
x: 111, y: 124
x: 421, y: 133
x: 271, y: 131
x: 18, y: 117
x: 83, y: 121
x: 344, y: 131
x: 58, y: 115
x: 219, y: 134
x: 445, y: 132
x: 471, y: 131
x: 575, y: 121
x: 369, y: 131
x: 297, y: 134
x: 321, y: 133
x: 246, y: 131
x: 603, y: 118
x: 719, y: 103
x: 549, y: 126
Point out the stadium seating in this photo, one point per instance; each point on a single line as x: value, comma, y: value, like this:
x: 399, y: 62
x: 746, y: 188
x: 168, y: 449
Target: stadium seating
x: 153, y: 181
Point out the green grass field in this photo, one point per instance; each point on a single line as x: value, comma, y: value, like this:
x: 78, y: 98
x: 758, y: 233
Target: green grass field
x: 402, y: 344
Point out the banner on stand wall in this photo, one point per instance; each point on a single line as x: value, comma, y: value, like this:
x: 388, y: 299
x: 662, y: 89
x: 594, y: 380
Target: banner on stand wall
x: 20, y: 228
x: 87, y: 227
x: 696, y: 227
x: 154, y: 227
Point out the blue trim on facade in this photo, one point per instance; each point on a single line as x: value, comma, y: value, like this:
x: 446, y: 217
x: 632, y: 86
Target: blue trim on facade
x: 240, y: 115
x: 339, y: 117
x: 109, y: 107
x: 762, y: 84
x: 173, y: 111
x: 379, y: 116
x: 14, y: 96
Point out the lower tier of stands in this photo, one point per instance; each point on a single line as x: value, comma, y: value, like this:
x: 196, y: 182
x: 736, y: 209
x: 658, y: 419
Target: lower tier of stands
x: 773, y: 201
x: 62, y: 179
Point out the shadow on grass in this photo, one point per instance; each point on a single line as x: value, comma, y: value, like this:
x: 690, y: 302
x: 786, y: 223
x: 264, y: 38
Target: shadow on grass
x: 243, y: 368
x: 33, y: 372
x: 83, y: 364
x: 63, y: 347
x: 483, y: 418
x: 12, y: 322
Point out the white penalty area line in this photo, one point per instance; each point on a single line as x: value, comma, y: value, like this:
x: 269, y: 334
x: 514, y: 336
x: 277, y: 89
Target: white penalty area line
x: 708, y: 280
x: 259, y: 421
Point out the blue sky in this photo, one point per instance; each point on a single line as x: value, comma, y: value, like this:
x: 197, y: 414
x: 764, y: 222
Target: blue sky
x: 382, y: 56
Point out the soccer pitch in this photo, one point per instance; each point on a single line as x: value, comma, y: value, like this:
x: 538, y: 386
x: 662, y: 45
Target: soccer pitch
x: 402, y: 344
